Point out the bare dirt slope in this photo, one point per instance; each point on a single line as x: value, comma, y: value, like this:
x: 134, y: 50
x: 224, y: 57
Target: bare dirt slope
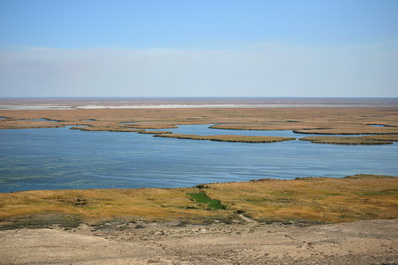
x: 364, y: 242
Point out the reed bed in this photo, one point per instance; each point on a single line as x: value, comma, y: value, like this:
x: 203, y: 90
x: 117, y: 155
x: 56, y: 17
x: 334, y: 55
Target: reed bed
x: 325, y: 200
x: 304, y: 200
x: 345, y: 140
x: 331, y: 121
x: 353, y: 130
x: 108, y: 129
x: 229, y: 138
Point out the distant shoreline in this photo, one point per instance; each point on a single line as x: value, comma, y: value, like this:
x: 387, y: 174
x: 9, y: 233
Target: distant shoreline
x: 191, y: 102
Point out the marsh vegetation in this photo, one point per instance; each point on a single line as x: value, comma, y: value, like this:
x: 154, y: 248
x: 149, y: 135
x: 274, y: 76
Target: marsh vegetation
x: 361, y: 140
x: 305, y: 200
x: 323, y: 121
x: 229, y: 138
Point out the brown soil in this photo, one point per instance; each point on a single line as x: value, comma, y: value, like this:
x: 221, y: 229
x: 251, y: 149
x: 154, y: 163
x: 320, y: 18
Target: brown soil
x: 364, y: 242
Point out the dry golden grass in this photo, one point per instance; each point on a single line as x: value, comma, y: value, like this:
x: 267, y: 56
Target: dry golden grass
x: 311, y: 200
x: 151, y: 125
x: 269, y: 126
x: 366, y: 176
x: 345, y: 140
x: 309, y: 120
x: 229, y: 138
x: 352, y: 130
x: 154, y: 132
x: 386, y: 137
x: 12, y: 124
x: 106, y: 128
x: 314, y: 199
x: 97, y: 205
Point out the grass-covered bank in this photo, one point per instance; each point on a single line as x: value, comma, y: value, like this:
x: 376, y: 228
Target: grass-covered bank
x: 229, y: 138
x: 307, y: 200
x: 359, y: 140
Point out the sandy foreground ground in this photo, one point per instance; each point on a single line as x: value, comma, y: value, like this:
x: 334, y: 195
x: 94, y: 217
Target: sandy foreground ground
x: 364, y: 242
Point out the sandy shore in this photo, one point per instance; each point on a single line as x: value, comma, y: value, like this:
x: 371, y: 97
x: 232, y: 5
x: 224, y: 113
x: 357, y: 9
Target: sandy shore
x: 364, y: 242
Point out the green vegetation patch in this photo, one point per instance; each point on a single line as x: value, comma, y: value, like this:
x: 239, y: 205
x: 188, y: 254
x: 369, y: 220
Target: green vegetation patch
x: 202, y: 198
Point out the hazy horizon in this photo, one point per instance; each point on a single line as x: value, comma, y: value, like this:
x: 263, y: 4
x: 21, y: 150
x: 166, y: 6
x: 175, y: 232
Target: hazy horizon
x: 208, y: 48
x: 52, y: 103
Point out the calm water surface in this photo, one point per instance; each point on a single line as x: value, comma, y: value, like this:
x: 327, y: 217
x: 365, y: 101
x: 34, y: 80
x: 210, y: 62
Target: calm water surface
x: 60, y: 158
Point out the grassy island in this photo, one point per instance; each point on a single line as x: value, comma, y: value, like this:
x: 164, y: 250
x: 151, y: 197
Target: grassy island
x: 229, y: 138
x: 377, y: 124
x: 346, y: 140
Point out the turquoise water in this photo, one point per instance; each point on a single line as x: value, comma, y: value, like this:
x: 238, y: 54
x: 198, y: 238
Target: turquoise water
x: 59, y: 158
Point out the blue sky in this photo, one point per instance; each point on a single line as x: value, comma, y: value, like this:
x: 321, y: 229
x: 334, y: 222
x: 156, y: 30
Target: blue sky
x: 199, y: 48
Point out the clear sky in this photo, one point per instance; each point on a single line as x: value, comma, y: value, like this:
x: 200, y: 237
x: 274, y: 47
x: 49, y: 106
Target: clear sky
x: 135, y: 48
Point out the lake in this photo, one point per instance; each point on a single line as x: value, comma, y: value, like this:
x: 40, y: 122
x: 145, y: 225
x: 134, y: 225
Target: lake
x: 59, y: 158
